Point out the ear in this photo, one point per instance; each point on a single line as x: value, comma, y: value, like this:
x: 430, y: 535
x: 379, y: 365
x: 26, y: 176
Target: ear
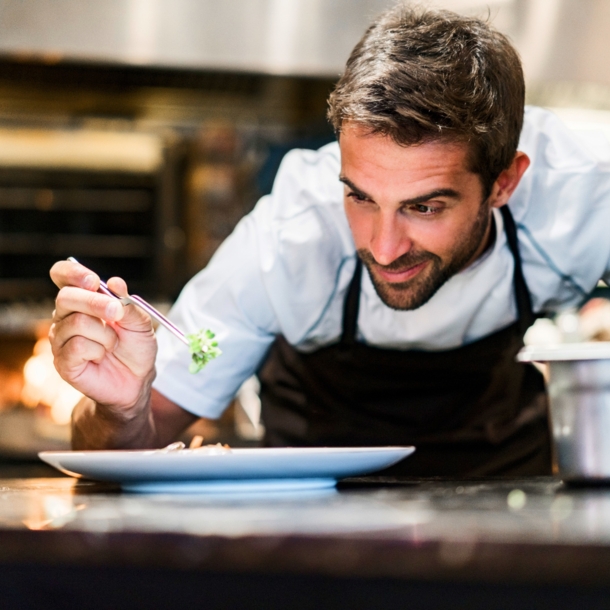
x: 508, y: 180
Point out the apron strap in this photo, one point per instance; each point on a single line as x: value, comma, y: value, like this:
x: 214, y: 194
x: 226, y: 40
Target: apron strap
x: 525, y: 313
x: 351, y: 306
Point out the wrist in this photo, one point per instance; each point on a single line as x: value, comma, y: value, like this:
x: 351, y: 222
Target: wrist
x: 132, y: 409
x: 98, y: 425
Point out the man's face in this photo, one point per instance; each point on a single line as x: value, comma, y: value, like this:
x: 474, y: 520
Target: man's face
x: 416, y: 213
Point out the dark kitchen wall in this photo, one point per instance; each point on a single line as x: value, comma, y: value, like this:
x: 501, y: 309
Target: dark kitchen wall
x: 222, y: 134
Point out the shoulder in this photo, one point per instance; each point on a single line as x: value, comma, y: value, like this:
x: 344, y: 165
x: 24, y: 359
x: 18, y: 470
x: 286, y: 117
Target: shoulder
x: 560, y: 156
x: 562, y: 206
x: 304, y: 238
x: 305, y: 207
x: 307, y: 178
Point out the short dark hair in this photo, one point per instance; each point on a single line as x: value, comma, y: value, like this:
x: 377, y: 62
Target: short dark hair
x: 421, y: 75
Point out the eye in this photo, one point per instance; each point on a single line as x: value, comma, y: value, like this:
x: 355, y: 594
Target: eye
x: 425, y: 210
x: 357, y: 197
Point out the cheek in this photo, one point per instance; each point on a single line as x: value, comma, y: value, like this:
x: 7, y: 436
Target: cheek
x: 434, y: 236
x: 440, y: 236
x: 361, y: 224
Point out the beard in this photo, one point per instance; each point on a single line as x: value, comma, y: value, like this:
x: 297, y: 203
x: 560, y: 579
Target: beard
x: 419, y: 290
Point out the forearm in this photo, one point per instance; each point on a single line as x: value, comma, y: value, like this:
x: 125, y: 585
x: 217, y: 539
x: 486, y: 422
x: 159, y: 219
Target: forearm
x: 157, y: 422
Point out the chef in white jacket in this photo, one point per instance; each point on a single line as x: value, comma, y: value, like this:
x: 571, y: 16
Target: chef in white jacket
x: 382, y: 290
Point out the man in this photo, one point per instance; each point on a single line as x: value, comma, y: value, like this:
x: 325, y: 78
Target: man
x: 419, y: 348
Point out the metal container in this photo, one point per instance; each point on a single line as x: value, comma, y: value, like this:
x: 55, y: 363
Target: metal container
x: 579, y: 397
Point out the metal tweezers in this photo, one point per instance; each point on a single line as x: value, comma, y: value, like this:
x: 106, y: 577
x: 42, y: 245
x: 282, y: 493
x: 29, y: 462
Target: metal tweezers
x: 134, y: 299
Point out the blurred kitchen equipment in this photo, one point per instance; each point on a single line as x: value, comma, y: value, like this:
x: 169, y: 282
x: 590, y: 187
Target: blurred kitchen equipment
x: 579, y: 396
x: 107, y: 196
x: 134, y: 299
x: 560, y: 40
x: 267, y: 36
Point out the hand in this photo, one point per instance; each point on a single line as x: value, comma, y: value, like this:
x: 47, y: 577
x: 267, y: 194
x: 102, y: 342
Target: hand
x: 103, y: 349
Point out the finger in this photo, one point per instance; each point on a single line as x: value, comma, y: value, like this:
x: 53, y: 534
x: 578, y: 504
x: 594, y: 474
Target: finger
x: 67, y: 273
x: 134, y: 318
x: 118, y: 286
x: 82, y: 325
x: 70, y: 300
x: 74, y: 356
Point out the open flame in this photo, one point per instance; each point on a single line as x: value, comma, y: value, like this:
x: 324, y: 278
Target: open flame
x: 43, y: 385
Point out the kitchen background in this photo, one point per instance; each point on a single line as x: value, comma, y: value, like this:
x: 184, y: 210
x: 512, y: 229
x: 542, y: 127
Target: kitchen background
x: 134, y: 134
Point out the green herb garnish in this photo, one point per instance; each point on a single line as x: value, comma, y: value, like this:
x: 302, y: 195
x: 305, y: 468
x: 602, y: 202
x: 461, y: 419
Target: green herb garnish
x: 203, y: 349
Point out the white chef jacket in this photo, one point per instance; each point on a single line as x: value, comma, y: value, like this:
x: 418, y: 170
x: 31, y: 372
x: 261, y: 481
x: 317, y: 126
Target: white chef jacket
x: 286, y: 267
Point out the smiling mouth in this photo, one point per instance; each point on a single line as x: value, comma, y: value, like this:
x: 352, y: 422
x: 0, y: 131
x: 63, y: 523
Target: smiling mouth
x: 401, y: 275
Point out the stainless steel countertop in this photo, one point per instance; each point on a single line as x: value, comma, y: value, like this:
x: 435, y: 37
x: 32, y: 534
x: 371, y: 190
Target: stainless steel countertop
x: 524, y: 531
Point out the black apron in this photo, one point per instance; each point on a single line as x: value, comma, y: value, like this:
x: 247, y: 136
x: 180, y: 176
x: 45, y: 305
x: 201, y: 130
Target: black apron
x: 469, y: 411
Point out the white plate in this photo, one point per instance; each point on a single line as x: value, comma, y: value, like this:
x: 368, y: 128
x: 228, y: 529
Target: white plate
x: 593, y: 350
x: 236, y: 487
x: 260, y: 469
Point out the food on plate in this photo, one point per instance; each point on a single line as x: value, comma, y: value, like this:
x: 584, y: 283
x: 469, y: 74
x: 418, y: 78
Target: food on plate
x: 196, y: 442
x: 203, y: 349
x: 213, y: 449
x: 196, y: 445
x: 177, y: 446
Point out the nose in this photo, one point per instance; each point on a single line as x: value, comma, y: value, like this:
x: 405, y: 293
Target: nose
x: 390, y: 239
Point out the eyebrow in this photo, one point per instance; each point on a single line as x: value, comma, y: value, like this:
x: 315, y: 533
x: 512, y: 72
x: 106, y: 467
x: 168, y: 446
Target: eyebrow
x: 446, y: 192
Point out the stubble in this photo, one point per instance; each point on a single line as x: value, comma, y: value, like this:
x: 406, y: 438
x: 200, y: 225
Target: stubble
x: 417, y: 291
